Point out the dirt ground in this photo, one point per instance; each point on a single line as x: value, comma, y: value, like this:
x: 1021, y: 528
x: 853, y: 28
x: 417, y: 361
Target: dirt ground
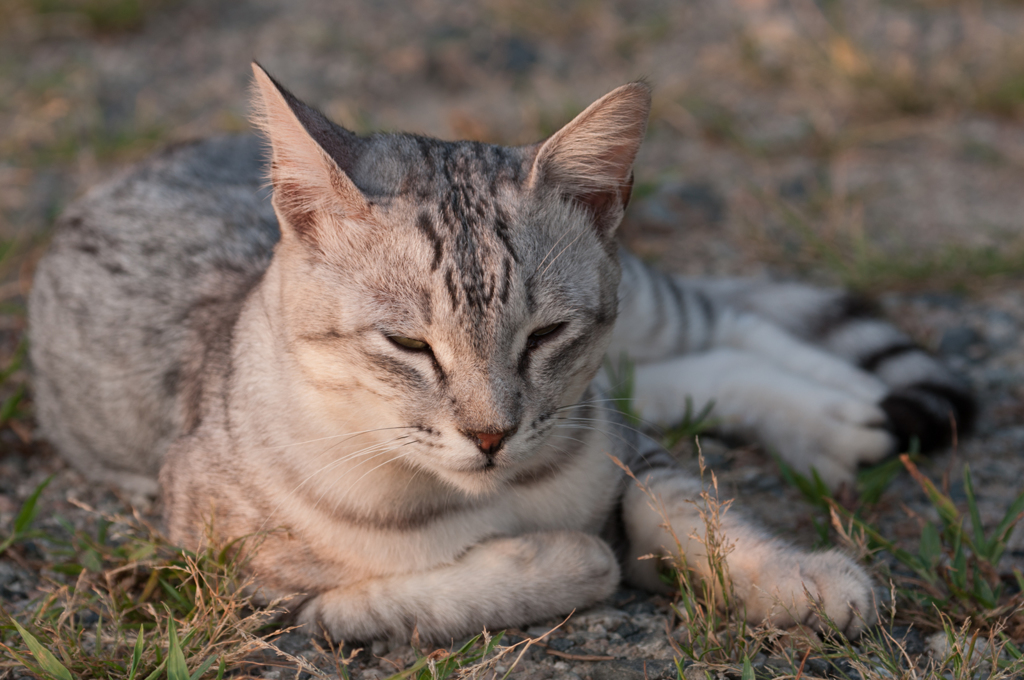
x: 874, y: 144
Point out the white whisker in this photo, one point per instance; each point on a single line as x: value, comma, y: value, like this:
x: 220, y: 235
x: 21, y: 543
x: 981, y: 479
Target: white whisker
x: 555, y: 259
x: 335, y: 436
x: 547, y: 254
x: 334, y: 463
x: 390, y: 460
x: 362, y: 462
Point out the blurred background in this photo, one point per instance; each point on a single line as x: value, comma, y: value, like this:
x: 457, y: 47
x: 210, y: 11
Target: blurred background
x: 876, y: 144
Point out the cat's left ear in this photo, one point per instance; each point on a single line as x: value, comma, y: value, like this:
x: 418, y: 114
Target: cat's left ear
x: 590, y: 160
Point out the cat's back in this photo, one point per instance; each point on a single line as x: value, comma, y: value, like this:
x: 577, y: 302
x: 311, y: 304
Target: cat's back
x: 143, y: 278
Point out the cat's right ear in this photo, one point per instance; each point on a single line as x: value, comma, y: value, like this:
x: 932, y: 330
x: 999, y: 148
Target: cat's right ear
x: 309, y: 159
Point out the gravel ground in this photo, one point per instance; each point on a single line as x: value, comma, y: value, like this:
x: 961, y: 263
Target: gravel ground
x: 889, y: 128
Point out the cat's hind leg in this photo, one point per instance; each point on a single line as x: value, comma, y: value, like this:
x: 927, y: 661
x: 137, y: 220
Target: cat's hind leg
x: 924, y: 398
x: 822, y: 333
x: 774, y: 580
x: 810, y: 425
x: 498, y: 583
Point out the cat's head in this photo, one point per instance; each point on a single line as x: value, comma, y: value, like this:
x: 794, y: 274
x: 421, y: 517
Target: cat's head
x: 462, y: 290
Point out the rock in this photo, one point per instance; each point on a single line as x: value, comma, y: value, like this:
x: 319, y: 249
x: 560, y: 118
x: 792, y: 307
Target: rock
x: 909, y: 638
x: 698, y: 671
x: 599, y: 619
x: 86, y: 618
x: 641, y: 607
x: 937, y: 645
x: 956, y: 341
x: 628, y: 630
x: 293, y: 642
x: 624, y: 596
x: 950, y: 301
x: 562, y: 644
x: 538, y: 631
x: 635, y: 669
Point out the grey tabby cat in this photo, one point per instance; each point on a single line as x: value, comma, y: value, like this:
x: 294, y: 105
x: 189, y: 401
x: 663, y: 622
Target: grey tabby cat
x: 389, y: 365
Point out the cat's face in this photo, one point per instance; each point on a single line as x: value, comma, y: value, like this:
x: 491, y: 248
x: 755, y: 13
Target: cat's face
x: 459, y: 308
x: 460, y: 293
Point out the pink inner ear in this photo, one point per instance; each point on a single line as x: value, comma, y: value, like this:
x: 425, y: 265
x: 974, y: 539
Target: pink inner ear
x: 605, y: 206
x: 590, y: 160
x: 308, y: 182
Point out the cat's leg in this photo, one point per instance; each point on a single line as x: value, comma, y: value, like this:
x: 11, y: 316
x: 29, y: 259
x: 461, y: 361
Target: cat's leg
x: 923, y: 399
x: 810, y: 425
x: 755, y: 335
x: 773, y: 579
x: 498, y: 583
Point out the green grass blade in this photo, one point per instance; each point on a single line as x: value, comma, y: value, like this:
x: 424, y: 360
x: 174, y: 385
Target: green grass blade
x: 983, y: 592
x: 1002, y: 532
x: 175, y: 595
x: 1010, y: 648
x: 930, y: 548
x: 16, y: 360
x: 420, y: 664
x: 873, y: 481
x: 136, y: 656
x: 959, y: 567
x: 205, y: 666
x: 176, y: 668
x: 28, y: 510
x: 748, y: 670
x: 815, y: 492
x: 47, y: 661
x: 159, y: 669
x: 10, y: 405
x: 877, y: 540
x: 943, y: 504
x: 982, y: 546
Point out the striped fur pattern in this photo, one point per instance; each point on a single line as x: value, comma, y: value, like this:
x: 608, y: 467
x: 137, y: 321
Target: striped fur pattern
x: 388, y: 367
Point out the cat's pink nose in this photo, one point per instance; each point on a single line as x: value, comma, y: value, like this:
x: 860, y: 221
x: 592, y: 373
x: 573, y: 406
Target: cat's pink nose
x: 487, y: 441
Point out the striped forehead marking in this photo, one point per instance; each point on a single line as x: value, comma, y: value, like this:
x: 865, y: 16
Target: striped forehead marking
x: 462, y: 220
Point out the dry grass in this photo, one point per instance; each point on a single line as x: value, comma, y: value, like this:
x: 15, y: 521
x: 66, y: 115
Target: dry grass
x: 138, y: 605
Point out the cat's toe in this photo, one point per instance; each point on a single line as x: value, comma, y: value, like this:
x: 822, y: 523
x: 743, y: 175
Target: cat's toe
x: 826, y: 591
x: 860, y: 413
x: 844, y: 599
x: 853, y: 445
x: 838, y: 449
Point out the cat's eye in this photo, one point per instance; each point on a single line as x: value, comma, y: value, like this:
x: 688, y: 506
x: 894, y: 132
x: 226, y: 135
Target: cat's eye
x: 542, y: 334
x: 408, y: 343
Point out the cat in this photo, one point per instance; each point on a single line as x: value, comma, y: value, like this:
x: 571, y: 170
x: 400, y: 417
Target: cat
x: 385, y: 359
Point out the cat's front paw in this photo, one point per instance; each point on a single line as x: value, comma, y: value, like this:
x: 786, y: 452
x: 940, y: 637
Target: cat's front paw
x: 559, y: 566
x: 825, y: 590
